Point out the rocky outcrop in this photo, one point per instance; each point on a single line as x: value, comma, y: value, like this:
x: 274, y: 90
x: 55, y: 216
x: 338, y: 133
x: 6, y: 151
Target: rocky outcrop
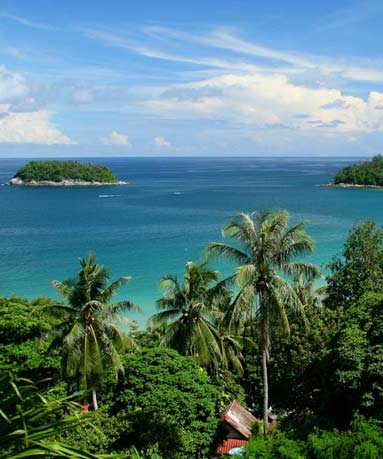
x: 16, y: 181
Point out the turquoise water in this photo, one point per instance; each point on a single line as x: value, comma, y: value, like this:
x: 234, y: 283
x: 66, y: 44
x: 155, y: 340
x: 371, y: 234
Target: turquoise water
x: 173, y: 209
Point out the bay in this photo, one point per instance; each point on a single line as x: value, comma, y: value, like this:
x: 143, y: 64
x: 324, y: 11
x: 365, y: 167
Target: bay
x: 173, y: 208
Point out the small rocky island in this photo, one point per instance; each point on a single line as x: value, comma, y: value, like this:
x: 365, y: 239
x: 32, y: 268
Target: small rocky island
x: 368, y: 174
x: 64, y: 173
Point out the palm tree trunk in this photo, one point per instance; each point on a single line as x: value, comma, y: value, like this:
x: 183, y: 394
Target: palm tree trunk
x: 265, y: 393
x: 94, y: 399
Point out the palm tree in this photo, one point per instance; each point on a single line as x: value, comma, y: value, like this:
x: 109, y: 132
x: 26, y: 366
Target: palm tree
x: 90, y: 331
x: 264, y: 253
x: 190, y: 308
x: 230, y: 338
x: 305, y: 288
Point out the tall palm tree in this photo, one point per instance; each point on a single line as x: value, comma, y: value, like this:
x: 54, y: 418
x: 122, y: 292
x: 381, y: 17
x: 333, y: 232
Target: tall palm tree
x: 90, y: 331
x: 190, y: 308
x: 264, y: 253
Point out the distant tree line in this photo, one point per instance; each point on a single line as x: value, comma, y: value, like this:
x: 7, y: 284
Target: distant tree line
x: 56, y: 171
x: 365, y: 173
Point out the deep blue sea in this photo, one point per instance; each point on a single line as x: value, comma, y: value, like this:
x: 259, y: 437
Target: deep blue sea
x: 173, y: 208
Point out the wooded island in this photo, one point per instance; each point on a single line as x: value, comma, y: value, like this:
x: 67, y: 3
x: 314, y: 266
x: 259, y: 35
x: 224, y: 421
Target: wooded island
x: 366, y: 174
x: 63, y: 173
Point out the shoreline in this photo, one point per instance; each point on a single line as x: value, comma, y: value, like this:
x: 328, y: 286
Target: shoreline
x: 34, y: 183
x: 351, y: 185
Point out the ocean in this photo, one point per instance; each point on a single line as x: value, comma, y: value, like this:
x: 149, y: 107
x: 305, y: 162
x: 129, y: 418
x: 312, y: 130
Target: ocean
x: 171, y: 210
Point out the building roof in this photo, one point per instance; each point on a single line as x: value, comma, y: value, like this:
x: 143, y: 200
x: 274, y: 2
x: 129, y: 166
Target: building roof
x: 230, y: 443
x: 239, y: 418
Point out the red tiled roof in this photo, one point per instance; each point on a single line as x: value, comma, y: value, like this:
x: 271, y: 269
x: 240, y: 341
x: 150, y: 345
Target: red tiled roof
x: 229, y: 444
x: 239, y: 418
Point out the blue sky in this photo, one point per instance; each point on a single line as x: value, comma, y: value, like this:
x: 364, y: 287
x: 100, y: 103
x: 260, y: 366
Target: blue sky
x: 172, y: 78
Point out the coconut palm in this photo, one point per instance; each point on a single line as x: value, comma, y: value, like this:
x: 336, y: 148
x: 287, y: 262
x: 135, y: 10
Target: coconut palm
x: 264, y: 253
x: 308, y: 293
x: 90, y: 331
x: 190, y: 308
x: 230, y: 338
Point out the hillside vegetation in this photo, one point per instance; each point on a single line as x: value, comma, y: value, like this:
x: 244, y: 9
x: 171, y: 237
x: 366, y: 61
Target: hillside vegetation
x: 157, y: 393
x: 57, y: 171
x: 366, y: 173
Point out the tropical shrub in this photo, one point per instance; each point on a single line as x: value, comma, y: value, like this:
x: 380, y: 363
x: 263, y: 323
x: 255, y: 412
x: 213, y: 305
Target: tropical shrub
x: 96, y: 433
x: 169, y: 401
x: 21, y: 328
x: 359, y: 269
x: 363, y: 440
x: 356, y: 360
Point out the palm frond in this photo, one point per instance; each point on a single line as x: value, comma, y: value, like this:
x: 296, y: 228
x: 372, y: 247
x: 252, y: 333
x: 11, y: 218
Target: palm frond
x: 110, y: 290
x: 164, y: 316
x: 31, y: 420
x: 246, y: 274
x: 223, y: 250
x: 308, y: 270
x: 119, y: 307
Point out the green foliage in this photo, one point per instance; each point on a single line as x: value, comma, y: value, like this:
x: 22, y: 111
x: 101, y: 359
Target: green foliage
x: 365, y: 173
x: 89, y: 331
x: 30, y: 419
x: 193, y: 309
x: 279, y: 448
x: 134, y: 454
x: 295, y: 366
x: 363, y: 440
x: 96, y: 433
x: 172, y: 404
x: 150, y: 430
x: 326, y: 361
x: 56, y: 171
x: 359, y: 269
x: 100, y: 433
x: 264, y: 250
x: 357, y: 358
x: 21, y: 327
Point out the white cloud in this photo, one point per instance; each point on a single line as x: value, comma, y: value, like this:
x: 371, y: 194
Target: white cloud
x: 161, y: 142
x: 115, y: 138
x: 135, y: 46
x: 28, y: 22
x: 259, y: 94
x: 22, y: 119
x: 29, y: 127
x: 267, y: 101
x: 263, y: 58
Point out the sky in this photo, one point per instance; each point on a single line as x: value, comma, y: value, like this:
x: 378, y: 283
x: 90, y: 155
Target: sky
x: 191, y: 78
